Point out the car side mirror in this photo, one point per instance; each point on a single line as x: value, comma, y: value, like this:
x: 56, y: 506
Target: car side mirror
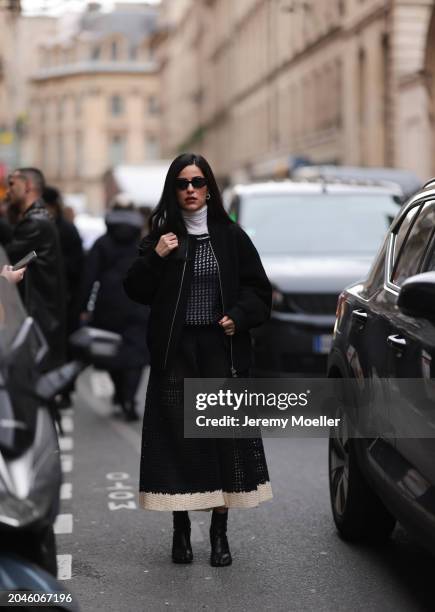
x: 417, y: 296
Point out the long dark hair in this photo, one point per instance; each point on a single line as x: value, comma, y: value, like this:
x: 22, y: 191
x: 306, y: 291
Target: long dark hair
x: 167, y: 216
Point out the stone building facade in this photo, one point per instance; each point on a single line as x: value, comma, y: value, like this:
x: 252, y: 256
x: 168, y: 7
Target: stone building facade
x: 254, y: 84
x: 95, y: 101
x: 19, y: 38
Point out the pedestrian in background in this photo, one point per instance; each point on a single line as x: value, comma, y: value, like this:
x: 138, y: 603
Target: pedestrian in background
x: 106, y: 264
x: 207, y: 288
x: 43, y: 289
x: 72, y: 251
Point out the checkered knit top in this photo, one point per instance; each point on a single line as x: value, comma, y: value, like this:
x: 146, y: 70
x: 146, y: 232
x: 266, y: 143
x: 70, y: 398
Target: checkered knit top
x: 204, y: 305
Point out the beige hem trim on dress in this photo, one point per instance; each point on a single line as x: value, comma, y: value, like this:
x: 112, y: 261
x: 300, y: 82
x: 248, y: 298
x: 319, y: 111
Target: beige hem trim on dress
x: 204, y: 501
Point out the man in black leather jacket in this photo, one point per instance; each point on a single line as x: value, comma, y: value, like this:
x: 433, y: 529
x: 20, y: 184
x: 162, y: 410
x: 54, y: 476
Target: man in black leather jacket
x: 43, y: 290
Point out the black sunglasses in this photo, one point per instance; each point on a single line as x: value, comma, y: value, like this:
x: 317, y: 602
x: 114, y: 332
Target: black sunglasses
x: 197, y: 182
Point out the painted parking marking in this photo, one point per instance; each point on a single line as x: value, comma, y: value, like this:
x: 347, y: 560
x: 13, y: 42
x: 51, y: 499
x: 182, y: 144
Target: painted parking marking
x: 67, y: 424
x: 63, y: 524
x: 67, y: 463
x: 64, y: 567
x: 121, y: 494
x: 101, y: 384
x: 66, y: 443
x: 66, y: 490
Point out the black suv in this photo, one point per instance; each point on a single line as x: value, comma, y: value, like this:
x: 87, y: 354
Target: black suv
x: 384, y: 346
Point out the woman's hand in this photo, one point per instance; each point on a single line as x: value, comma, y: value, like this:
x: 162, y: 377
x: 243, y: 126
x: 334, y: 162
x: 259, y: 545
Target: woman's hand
x: 228, y: 325
x: 12, y: 276
x: 166, y: 244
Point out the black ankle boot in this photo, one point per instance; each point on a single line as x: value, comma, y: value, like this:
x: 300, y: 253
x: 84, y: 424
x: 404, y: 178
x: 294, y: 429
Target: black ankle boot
x: 220, y: 551
x: 181, y: 547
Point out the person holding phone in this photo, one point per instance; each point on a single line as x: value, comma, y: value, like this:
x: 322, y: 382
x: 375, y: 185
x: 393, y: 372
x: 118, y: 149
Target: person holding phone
x: 12, y: 276
x: 206, y: 286
x: 43, y: 290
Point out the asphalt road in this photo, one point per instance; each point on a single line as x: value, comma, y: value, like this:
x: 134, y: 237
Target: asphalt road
x: 286, y: 553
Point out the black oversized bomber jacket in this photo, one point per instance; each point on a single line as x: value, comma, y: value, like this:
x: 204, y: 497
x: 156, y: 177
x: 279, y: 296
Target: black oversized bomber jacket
x: 164, y: 283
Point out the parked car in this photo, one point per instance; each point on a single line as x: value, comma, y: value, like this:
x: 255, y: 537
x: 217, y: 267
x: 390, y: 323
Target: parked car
x: 384, y: 340
x: 313, y: 239
x: 408, y: 182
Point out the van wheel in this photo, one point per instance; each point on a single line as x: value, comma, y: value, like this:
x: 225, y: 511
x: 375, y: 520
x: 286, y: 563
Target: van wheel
x: 358, y: 512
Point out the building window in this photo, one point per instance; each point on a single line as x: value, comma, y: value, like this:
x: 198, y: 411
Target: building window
x: 60, y: 155
x: 362, y: 105
x: 114, y: 50
x: 79, y: 154
x: 133, y: 52
x: 116, y: 150
x: 116, y: 105
x: 61, y: 109
x: 152, y: 105
x: 152, y: 149
x: 78, y: 106
x: 95, y: 52
x: 43, y: 156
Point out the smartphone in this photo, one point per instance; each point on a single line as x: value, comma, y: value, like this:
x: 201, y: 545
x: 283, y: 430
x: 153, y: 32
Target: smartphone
x: 23, y: 262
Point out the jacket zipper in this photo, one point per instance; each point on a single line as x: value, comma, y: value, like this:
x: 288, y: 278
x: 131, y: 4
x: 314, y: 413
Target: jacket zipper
x: 176, y: 305
x: 233, y: 369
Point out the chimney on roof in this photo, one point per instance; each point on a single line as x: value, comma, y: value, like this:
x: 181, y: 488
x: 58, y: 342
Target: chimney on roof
x: 93, y: 7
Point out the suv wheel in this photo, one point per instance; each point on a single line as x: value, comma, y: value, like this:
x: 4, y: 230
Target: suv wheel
x: 358, y: 512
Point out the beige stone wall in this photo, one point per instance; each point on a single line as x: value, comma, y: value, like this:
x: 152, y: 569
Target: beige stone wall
x: 73, y: 127
x: 19, y: 38
x: 412, y: 67
x: 336, y: 81
x: 8, y: 28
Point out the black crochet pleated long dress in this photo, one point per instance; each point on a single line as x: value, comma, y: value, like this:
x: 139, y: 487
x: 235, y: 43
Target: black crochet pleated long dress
x: 180, y: 473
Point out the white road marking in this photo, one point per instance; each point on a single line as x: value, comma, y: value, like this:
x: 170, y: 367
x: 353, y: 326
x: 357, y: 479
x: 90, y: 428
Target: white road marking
x: 67, y: 424
x: 195, y: 532
x: 102, y: 385
x: 63, y: 524
x: 67, y: 463
x: 66, y: 490
x: 66, y: 443
x: 68, y: 412
x: 64, y: 565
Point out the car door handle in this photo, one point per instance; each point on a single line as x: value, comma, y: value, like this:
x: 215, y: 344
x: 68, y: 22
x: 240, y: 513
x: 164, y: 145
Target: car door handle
x: 360, y: 315
x: 397, y: 342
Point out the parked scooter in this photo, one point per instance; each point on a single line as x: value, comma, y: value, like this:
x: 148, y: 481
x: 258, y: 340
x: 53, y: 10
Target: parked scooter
x: 30, y: 469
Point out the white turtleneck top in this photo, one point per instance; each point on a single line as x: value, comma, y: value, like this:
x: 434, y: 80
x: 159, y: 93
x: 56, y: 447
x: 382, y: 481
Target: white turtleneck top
x: 196, y: 221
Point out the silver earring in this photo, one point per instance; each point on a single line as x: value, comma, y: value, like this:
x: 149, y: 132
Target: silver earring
x: 208, y: 196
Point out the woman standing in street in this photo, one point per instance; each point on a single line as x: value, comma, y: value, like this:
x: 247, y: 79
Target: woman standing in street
x: 207, y: 288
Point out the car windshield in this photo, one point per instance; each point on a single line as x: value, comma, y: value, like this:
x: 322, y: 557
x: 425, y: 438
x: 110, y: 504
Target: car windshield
x: 317, y: 223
